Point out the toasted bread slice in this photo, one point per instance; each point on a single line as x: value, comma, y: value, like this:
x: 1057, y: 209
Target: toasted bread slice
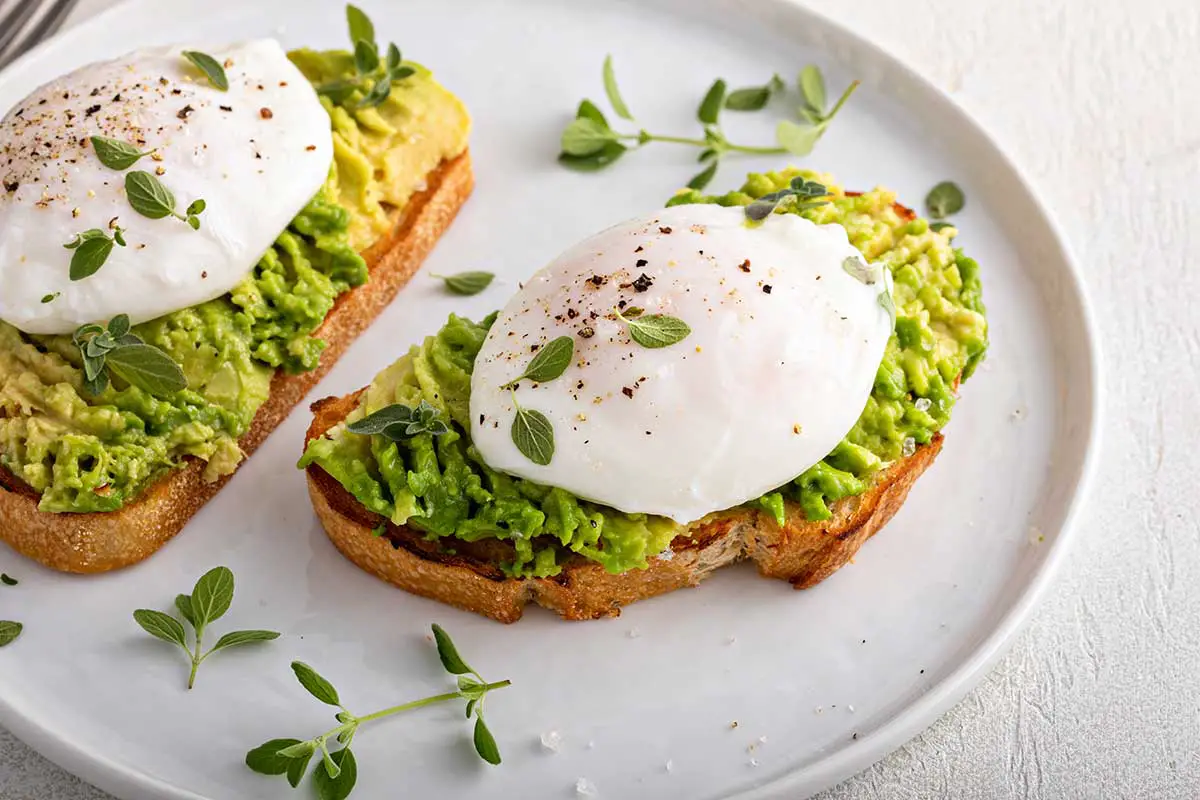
x: 97, y: 542
x: 801, y: 552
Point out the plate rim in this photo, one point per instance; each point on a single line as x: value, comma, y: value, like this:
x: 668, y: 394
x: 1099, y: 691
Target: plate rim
x: 918, y: 715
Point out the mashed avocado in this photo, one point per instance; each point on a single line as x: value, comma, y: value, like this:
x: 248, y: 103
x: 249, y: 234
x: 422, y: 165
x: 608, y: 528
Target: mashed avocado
x: 441, y: 486
x: 86, y: 454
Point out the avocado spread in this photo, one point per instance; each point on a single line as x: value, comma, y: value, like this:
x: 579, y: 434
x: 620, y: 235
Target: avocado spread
x: 90, y: 454
x: 440, y: 485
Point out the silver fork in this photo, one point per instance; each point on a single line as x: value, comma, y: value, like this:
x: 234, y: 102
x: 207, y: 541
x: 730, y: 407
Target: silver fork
x: 28, y: 22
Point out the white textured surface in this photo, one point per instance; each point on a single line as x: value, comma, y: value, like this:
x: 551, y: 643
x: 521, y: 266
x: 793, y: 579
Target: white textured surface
x: 1100, y: 698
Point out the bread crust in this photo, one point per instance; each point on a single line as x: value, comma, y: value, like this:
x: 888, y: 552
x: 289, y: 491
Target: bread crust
x: 98, y: 542
x: 800, y: 551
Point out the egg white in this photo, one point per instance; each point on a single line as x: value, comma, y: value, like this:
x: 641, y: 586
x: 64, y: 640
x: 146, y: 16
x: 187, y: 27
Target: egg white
x: 783, y: 352
x: 255, y: 154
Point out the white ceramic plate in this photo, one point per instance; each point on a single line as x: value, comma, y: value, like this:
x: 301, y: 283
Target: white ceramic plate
x: 833, y: 678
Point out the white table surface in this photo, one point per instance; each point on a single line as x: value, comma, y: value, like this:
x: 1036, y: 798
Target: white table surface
x: 1101, y: 696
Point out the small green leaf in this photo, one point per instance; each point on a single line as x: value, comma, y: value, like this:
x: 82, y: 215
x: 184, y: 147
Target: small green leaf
x: 589, y: 110
x: 9, y: 631
x: 448, y: 653
x: 366, y: 57
x: 379, y: 92
x: 940, y: 226
x: 161, y: 626
x: 798, y: 140
x: 118, y: 326
x: 297, y: 768
x: 89, y: 256
x: 243, y: 637
x: 584, y: 136
x: 400, y: 73
x: 183, y: 602
x: 945, y: 199
x: 856, y: 268
x: 393, y: 58
x: 550, y: 362
x: 704, y: 177
x: 265, y: 759
x: 339, y: 788
x: 8, y: 580
x: 332, y: 768
x: 467, y: 283
x: 710, y: 107
x: 50, y: 298
x: 212, y: 595
x: 298, y: 750
x: 148, y: 196
x: 471, y: 704
x: 485, y: 743
x: 148, y: 368
x: 596, y: 161
x: 212, y: 69
x: 197, y: 207
x: 657, y: 330
x: 888, y: 305
x: 361, y: 27
x: 115, y: 154
x: 533, y: 435
x: 380, y: 420
x: 812, y: 89
x: 753, y: 98
x: 317, y: 686
x: 614, y: 93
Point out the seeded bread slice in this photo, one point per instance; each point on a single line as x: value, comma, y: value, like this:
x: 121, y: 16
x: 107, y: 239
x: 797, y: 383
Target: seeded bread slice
x: 89, y: 543
x: 801, y: 552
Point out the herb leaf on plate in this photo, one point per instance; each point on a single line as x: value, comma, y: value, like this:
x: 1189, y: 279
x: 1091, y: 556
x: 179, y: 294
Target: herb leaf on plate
x: 550, y: 362
x: 208, y: 602
x: 336, y: 773
x: 467, y: 283
x: 944, y: 200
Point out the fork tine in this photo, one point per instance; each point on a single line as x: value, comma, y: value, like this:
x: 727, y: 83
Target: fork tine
x: 15, y: 23
x: 50, y: 22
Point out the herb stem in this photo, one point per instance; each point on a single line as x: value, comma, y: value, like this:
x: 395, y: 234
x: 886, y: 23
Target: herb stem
x: 643, y: 138
x: 842, y: 100
x: 766, y: 151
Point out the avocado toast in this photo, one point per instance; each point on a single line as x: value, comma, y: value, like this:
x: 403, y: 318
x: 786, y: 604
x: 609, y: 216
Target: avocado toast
x: 427, y: 514
x: 99, y: 480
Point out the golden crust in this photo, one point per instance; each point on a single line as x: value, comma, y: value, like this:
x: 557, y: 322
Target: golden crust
x: 89, y: 543
x: 801, y: 552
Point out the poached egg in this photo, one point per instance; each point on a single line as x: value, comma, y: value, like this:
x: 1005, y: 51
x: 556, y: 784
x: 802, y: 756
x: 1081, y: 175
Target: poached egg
x: 256, y: 154
x: 788, y: 327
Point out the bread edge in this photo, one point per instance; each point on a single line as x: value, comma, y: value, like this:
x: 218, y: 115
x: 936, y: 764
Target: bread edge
x: 800, y: 551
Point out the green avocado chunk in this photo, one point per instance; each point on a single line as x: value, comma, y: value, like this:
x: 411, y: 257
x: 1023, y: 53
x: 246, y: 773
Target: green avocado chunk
x: 93, y: 454
x: 440, y: 485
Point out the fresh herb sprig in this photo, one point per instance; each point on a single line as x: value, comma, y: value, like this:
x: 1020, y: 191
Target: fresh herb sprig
x: 944, y: 200
x: 467, y: 283
x: 532, y: 433
x: 755, y: 98
x: 9, y: 631
x: 803, y: 192
x: 374, y: 74
x: 334, y: 778
x: 550, y: 362
x: 115, y: 154
x: 653, y: 331
x: 212, y: 69
x: 117, y: 350
x: 208, y: 602
x: 150, y: 198
x: 91, y: 250
x: 590, y: 143
x: 801, y: 139
x: 399, y: 422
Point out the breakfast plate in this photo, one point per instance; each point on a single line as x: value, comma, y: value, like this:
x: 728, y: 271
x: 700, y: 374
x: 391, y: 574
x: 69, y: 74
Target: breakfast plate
x: 740, y: 687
